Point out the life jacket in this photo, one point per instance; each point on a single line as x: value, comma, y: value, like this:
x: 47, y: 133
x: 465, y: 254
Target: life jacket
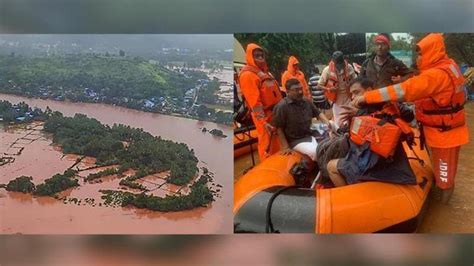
x: 382, y: 130
x: 333, y: 81
x: 444, y: 113
x: 269, y: 89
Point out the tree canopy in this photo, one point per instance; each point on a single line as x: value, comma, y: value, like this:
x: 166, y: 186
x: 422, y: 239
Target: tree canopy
x: 317, y: 48
x: 146, y: 153
x: 107, y: 77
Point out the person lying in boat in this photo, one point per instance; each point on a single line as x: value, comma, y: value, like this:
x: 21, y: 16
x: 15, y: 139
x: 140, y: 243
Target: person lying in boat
x: 292, y: 117
x: 375, y: 151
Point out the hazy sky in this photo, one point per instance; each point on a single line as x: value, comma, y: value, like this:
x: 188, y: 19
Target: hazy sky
x: 191, y: 41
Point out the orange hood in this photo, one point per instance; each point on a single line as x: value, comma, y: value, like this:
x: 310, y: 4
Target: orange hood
x: 292, y: 61
x: 249, y: 54
x: 432, y: 50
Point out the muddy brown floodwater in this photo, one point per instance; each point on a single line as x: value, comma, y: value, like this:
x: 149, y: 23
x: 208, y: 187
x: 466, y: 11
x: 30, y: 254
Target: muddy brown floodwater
x: 455, y: 217
x: 22, y: 213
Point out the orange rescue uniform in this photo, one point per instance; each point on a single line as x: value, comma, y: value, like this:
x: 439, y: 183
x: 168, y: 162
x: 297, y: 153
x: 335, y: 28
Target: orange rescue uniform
x: 292, y: 73
x: 439, y: 99
x: 333, y: 81
x: 261, y: 93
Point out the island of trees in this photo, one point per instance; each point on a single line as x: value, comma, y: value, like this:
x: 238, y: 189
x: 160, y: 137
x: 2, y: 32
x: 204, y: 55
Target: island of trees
x: 215, y: 132
x: 200, y: 196
x: 51, y: 186
x: 57, y: 183
x: 143, y: 153
x: 22, y: 184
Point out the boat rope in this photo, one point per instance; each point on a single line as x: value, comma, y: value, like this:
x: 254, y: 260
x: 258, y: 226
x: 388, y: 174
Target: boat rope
x: 268, y: 219
x: 416, y: 155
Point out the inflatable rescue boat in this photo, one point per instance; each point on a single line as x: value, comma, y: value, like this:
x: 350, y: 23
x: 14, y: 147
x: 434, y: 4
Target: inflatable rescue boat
x: 267, y: 199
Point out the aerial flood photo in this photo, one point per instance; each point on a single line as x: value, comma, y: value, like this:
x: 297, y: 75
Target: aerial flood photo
x: 115, y: 134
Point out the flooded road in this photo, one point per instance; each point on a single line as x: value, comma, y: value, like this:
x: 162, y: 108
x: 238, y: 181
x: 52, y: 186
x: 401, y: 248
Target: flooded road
x: 20, y: 213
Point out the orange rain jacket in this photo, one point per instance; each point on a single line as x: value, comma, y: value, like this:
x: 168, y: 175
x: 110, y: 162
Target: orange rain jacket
x: 439, y: 82
x: 261, y: 93
x: 290, y: 73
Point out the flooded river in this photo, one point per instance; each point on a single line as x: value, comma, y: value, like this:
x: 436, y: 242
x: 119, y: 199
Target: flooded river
x: 21, y: 213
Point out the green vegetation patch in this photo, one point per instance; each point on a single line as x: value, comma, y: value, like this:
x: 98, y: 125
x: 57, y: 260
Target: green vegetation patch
x: 108, y: 77
x: 22, y: 184
x: 131, y: 184
x: 50, y: 187
x: 200, y: 196
x: 106, y: 172
x: 134, y: 83
x: 145, y: 153
x: 57, y: 183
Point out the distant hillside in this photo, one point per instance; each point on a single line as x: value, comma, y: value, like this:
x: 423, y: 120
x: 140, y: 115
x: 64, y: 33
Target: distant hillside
x: 103, y: 76
x: 130, y: 82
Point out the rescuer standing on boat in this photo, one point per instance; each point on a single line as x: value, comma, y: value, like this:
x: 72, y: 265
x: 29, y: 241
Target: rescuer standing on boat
x: 261, y: 93
x: 293, y: 71
x: 439, y: 98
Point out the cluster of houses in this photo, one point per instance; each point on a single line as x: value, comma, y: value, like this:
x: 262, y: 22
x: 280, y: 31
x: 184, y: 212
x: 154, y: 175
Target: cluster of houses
x: 18, y: 114
x: 161, y: 104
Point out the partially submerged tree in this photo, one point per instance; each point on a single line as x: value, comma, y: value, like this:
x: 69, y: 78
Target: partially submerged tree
x: 22, y: 184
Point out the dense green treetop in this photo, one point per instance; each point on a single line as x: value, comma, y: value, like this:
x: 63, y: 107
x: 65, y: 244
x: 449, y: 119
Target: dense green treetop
x: 57, y: 183
x: 144, y: 152
x: 22, y: 184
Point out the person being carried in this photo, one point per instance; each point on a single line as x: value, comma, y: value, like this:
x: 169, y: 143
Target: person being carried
x: 364, y: 161
x: 292, y: 117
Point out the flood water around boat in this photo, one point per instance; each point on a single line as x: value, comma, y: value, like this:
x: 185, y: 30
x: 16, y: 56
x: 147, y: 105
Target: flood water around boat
x: 23, y: 213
